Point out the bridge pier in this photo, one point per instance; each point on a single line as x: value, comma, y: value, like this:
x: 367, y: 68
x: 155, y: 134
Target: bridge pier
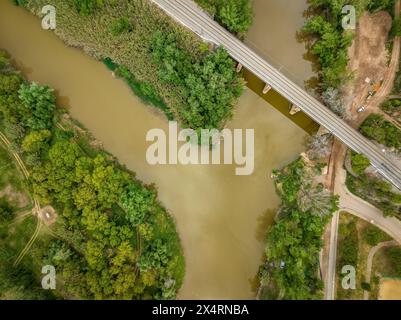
x: 267, y: 88
x: 192, y: 17
x: 239, y: 67
x: 294, y: 109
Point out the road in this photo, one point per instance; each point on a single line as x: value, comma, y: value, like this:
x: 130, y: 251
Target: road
x: 337, y: 176
x: 362, y: 209
x: 190, y: 15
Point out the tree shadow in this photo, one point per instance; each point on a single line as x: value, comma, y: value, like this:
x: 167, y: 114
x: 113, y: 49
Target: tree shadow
x: 265, y: 220
x: 62, y: 101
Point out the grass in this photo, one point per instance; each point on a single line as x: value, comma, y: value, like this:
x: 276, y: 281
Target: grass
x: 385, y: 265
x: 9, y: 175
x: 354, y: 245
x: 377, y: 192
x: 23, y: 281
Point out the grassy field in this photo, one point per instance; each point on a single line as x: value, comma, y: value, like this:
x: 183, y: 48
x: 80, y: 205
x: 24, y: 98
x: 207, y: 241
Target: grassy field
x: 356, y: 239
x: 386, y: 264
x: 17, y: 225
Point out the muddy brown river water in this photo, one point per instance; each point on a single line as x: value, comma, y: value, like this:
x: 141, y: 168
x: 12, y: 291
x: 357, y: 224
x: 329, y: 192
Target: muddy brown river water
x: 221, y: 218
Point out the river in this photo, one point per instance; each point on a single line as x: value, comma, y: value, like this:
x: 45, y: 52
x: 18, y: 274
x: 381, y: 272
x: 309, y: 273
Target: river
x: 221, y: 218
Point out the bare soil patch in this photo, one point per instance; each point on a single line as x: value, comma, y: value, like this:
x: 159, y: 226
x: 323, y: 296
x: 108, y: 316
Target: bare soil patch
x: 20, y: 199
x: 390, y: 289
x: 368, y: 56
x: 48, y: 215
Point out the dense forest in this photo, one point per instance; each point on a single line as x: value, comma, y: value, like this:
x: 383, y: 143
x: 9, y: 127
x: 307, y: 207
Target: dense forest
x: 112, y: 238
x: 165, y: 64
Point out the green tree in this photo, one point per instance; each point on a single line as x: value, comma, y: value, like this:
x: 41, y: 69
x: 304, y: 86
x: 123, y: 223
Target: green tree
x: 36, y: 141
x: 359, y: 163
x: 39, y: 104
x: 236, y: 15
x: 137, y: 201
x: 120, y: 26
x: 87, y: 7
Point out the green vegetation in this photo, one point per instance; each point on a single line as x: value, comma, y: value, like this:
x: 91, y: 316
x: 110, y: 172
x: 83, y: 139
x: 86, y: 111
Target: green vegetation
x: 386, y: 264
x: 295, y: 240
x: 373, y: 236
x: 356, y: 239
x: 21, y: 282
x: 329, y: 40
x: 394, y: 259
x: 87, y: 7
x: 129, y: 35
x: 114, y: 240
x: 396, y: 29
x: 359, y: 163
x: 210, y: 86
x: 235, y: 15
x: 393, y: 108
x: 119, y: 26
x: 377, y: 192
x: 348, y: 252
x: 146, y: 92
x: 348, y: 249
x: 384, y: 132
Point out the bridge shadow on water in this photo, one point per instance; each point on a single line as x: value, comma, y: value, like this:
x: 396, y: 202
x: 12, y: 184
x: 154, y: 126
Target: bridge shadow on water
x: 279, y: 103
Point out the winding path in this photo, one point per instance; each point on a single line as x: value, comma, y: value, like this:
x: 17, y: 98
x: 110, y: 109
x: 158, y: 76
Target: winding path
x: 369, y: 265
x: 25, y: 173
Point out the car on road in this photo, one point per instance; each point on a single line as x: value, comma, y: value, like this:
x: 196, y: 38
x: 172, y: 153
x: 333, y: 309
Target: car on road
x: 361, y: 109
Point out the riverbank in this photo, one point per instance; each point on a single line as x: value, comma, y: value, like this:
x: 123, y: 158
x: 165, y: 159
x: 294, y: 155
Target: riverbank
x: 112, y: 238
x: 222, y: 235
x: 167, y: 62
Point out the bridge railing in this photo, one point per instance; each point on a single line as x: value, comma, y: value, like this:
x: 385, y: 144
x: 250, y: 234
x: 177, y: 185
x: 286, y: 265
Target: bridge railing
x: 273, y: 61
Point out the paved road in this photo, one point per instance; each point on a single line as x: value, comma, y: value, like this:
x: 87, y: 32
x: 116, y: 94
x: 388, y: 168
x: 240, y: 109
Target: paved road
x: 329, y: 292
x: 362, y: 209
x: 191, y: 16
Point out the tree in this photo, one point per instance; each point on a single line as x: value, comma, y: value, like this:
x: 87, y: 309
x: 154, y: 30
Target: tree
x: 333, y: 100
x: 236, y: 15
x: 209, y: 88
x: 319, y: 146
x: 11, y: 107
x: 6, y: 210
x: 36, y: 141
x: 87, y: 7
x: 137, y: 201
x: 373, y: 235
x: 39, y: 104
x: 359, y: 163
x: 120, y: 26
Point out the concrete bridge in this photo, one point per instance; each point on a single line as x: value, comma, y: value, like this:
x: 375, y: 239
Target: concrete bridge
x: 191, y: 16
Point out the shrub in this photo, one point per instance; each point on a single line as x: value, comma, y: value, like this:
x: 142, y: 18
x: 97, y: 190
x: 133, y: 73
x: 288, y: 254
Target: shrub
x: 119, y: 26
x: 359, y: 163
x: 373, y: 236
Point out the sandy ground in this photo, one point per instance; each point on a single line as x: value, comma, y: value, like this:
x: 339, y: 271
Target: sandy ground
x: 368, y: 57
x: 390, y: 289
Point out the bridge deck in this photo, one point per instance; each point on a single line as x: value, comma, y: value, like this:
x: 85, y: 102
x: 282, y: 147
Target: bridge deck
x: 190, y: 15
